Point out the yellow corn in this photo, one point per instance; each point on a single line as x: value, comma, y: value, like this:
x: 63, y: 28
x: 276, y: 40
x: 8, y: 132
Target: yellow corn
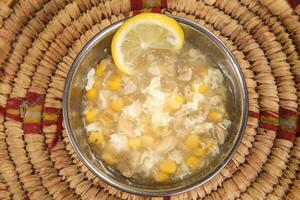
x: 210, y: 144
x: 147, y: 140
x: 109, y: 158
x: 192, y: 162
x: 108, y: 155
x: 117, y: 104
x: 203, y: 71
x: 91, y: 115
x: 100, y: 69
x: 192, y: 141
x: 199, y: 87
x: 174, y: 102
x: 200, y: 152
x: 115, y: 82
x: 168, y: 166
x: 96, y: 138
x: 134, y: 143
x: 161, y: 177
x: 214, y: 117
x: 91, y: 94
x: 202, y: 88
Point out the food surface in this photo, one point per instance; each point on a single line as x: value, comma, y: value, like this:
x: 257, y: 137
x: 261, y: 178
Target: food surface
x: 162, y: 121
x: 142, y: 33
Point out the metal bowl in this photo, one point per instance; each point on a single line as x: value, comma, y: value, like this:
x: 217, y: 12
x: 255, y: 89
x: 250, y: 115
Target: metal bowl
x: 95, y: 50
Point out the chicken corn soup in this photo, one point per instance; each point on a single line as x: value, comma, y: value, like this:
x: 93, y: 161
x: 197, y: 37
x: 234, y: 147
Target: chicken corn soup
x: 163, y: 123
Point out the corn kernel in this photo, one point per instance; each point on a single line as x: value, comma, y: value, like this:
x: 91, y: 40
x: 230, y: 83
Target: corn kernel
x: 203, y: 71
x: 199, y: 87
x: 96, y: 138
x: 115, y: 82
x: 161, y: 177
x: 200, y: 152
x: 134, y: 143
x: 147, y: 140
x: 91, y: 115
x: 192, y: 141
x: 91, y: 94
x: 214, y: 117
x: 109, y: 158
x: 202, y: 88
x: 174, y: 102
x: 192, y: 162
x: 168, y: 166
x: 210, y: 144
x: 117, y: 104
x: 100, y: 69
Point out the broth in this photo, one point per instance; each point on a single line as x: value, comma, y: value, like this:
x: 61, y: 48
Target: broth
x: 163, y: 123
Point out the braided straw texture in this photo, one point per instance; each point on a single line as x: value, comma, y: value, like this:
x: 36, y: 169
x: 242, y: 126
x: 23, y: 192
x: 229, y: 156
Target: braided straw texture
x: 39, y: 39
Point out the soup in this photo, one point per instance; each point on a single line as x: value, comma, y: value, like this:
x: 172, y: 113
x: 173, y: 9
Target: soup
x: 165, y: 122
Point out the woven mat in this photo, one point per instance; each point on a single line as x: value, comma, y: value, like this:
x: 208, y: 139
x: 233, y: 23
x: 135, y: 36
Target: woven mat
x: 39, y: 40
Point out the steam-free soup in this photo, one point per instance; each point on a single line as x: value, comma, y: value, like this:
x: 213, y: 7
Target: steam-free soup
x: 161, y: 124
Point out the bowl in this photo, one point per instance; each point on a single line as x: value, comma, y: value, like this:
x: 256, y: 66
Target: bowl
x: 96, y: 49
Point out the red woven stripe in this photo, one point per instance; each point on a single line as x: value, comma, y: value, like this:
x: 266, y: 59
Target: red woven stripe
x: 153, y: 10
x: 298, y: 128
x: 32, y: 128
x: 294, y: 3
x: 14, y: 117
x: 156, y: 10
x: 286, y: 135
x: 35, y: 98
x: 136, y: 4
x: 50, y: 110
x: 136, y: 12
x: 58, y: 132
x: 283, y: 111
x: 14, y: 103
x: 269, y: 127
x: 254, y: 114
x: 269, y: 114
x: 2, y: 110
x: 163, y: 3
x: 49, y: 122
x: 298, y: 132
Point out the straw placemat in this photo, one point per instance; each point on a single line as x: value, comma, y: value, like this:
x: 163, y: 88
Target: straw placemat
x: 39, y: 39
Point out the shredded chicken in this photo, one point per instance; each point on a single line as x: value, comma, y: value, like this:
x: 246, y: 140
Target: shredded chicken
x: 129, y: 88
x: 125, y: 126
x: 128, y: 163
x: 170, y: 83
x: 184, y: 74
x: 166, y: 145
x: 170, y: 69
x: 219, y: 133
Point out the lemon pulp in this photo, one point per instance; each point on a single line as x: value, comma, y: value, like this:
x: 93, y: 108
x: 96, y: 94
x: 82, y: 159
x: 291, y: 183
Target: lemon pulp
x: 140, y: 34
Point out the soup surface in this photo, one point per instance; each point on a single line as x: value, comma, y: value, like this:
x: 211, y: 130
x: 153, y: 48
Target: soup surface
x: 163, y: 123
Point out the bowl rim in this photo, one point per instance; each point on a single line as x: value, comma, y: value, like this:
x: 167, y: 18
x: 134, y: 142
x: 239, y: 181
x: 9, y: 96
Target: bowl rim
x: 143, y: 192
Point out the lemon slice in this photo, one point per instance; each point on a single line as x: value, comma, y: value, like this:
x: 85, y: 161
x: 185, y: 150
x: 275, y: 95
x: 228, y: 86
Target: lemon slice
x: 141, y: 33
